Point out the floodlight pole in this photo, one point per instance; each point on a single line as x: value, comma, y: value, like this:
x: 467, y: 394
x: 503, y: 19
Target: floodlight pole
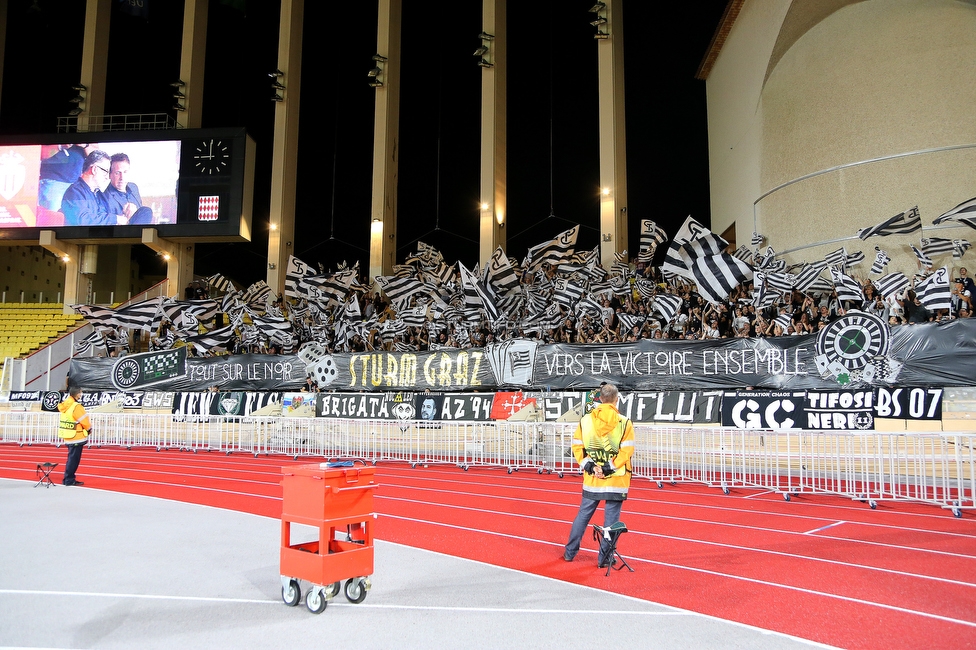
x: 178, y: 257
x: 386, y: 137
x: 613, y: 133
x: 284, y: 157
x: 192, y: 59
x: 494, y: 152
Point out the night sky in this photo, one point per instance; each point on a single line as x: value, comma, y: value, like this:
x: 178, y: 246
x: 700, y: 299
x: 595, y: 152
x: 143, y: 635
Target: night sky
x: 553, y: 146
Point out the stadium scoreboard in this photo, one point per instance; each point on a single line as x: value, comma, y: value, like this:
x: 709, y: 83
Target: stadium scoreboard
x: 189, y: 184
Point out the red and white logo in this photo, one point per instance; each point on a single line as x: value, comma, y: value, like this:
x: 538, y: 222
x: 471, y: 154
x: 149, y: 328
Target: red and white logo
x: 208, y: 208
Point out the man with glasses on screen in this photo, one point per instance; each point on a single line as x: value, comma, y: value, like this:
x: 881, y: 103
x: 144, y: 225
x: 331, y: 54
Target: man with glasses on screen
x: 83, y: 204
x: 124, y: 200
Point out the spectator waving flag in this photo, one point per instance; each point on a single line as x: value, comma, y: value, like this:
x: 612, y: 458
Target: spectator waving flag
x: 500, y: 277
x: 837, y: 258
x: 476, y: 295
x: 715, y: 273
x: 757, y: 239
x: 296, y: 272
x: 559, y: 249
x: 652, y: 236
x: 959, y: 248
x: 881, y: 260
x: 667, y: 305
x: 891, y: 284
x: 924, y: 260
x: 847, y: 287
x: 854, y: 258
x: 902, y: 223
x: 809, y: 275
x: 935, y: 246
x: 219, y: 283
x: 934, y: 292
x: 964, y: 213
x: 629, y: 321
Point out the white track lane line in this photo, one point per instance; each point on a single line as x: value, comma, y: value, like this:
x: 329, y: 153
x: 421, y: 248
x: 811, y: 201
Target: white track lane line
x: 691, y: 540
x: 719, y: 574
x: 429, y: 608
x: 794, y: 503
x: 707, y: 522
x: 817, y: 530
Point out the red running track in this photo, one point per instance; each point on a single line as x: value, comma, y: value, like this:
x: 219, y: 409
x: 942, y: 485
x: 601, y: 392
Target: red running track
x: 821, y: 568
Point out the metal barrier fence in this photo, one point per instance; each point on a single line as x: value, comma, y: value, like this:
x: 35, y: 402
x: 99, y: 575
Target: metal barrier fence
x: 935, y: 468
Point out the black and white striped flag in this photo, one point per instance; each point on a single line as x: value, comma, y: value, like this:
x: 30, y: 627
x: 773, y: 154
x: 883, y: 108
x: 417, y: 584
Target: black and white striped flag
x: 847, y: 287
x: 138, y: 316
x: 589, y: 306
x: 881, y: 260
x: 629, y: 321
x: 476, y: 296
x: 500, y: 277
x: 93, y: 340
x: 757, y: 239
x: 667, y: 305
x: 716, y: 274
x: 557, y: 250
x: 784, y: 321
x: 652, y: 235
x: 854, y: 258
x: 399, y: 289
x: 296, y: 272
x: 924, y: 260
x: 414, y: 317
x: 620, y: 266
x: 934, y: 292
x: 780, y: 282
x: 743, y: 253
x: 810, y: 274
x: 219, y: 338
x: 566, y: 293
x: 645, y: 288
x: 964, y: 213
x: 959, y: 248
x: 257, y: 295
x: 935, y: 246
x: 891, y: 284
x: 837, y: 258
x: 220, y: 283
x: 902, y: 223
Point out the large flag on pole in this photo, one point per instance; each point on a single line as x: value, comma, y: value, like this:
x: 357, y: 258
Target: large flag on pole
x: 964, y: 213
x: 902, y: 223
x: 557, y: 250
x: 934, y: 292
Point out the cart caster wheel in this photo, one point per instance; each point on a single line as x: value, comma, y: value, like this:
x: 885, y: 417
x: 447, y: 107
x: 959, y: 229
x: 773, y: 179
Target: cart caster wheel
x: 786, y: 497
x: 315, y: 601
x: 510, y: 470
x: 725, y: 490
x: 333, y: 590
x: 227, y: 453
x: 560, y: 474
x: 873, y: 504
x: 539, y: 471
x: 292, y: 595
x: 413, y: 465
x: 672, y: 484
x: 355, y: 590
x: 464, y: 467
x: 660, y: 485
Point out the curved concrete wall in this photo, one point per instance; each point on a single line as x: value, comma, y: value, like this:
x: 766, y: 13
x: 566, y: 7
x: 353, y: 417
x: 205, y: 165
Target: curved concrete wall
x: 872, y: 79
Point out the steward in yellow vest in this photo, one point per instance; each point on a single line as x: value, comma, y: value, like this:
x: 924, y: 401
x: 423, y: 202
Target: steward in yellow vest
x: 603, y: 446
x: 73, y: 427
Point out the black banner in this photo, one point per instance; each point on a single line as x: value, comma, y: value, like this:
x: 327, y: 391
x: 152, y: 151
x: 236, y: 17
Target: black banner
x: 854, y: 353
x: 851, y: 410
x: 672, y: 407
x: 231, y: 403
x: 909, y: 403
x: 755, y: 409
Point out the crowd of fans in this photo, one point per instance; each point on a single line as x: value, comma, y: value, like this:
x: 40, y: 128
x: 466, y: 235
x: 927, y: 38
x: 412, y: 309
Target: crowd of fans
x: 379, y: 326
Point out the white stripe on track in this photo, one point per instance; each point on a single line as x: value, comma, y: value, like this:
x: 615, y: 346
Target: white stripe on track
x: 707, y: 522
x: 428, y: 608
x: 748, y: 549
x: 720, y: 574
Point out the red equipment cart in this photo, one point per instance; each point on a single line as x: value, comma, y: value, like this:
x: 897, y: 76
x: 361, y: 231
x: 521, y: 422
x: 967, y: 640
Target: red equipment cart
x: 338, y: 501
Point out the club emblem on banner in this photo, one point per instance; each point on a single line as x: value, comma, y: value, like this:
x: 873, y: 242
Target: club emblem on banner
x: 208, y: 208
x: 853, y: 350
x: 513, y: 362
x: 136, y: 371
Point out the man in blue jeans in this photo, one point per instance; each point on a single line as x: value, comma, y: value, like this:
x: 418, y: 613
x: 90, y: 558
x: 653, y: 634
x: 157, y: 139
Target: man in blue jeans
x: 603, y: 447
x: 73, y: 427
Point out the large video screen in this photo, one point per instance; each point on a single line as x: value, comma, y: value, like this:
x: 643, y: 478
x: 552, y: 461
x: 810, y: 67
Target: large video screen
x: 188, y: 184
x: 89, y: 184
